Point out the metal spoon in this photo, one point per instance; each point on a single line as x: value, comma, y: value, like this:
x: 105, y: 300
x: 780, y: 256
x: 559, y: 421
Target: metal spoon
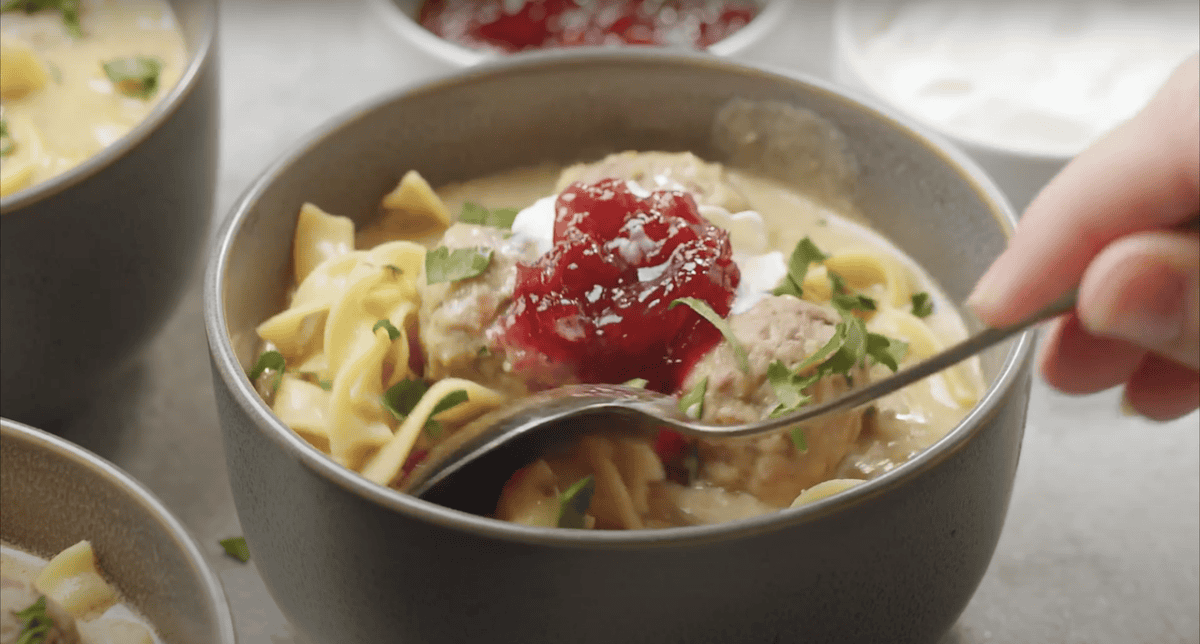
x: 467, y: 471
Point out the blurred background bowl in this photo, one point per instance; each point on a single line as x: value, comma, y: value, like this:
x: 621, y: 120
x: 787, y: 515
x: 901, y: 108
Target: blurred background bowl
x: 1020, y: 173
x: 892, y: 560
x: 93, y: 261
x: 400, y: 18
x: 54, y: 494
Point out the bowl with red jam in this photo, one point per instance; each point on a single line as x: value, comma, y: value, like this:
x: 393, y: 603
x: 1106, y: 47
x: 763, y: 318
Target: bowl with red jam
x: 459, y: 33
x: 744, y: 240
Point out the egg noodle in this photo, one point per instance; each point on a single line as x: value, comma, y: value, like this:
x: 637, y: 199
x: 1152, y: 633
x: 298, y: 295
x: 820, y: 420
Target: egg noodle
x: 341, y: 357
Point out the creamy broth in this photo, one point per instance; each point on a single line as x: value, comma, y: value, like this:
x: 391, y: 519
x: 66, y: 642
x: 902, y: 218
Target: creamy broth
x: 60, y: 106
x: 84, y: 608
x: 451, y: 337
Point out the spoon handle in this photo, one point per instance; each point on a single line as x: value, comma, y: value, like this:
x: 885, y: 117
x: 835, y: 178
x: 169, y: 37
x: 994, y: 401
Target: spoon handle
x: 942, y: 360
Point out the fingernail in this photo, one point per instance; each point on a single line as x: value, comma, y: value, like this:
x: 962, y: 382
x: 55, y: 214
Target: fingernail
x: 988, y: 291
x: 1149, y: 314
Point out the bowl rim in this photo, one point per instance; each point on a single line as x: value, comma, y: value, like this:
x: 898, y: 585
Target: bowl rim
x: 131, y: 487
x: 848, y: 55
x: 228, y: 369
x: 12, y: 204
x: 771, y: 15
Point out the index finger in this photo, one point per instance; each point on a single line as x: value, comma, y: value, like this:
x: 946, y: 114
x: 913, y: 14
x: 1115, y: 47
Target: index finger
x: 1145, y: 174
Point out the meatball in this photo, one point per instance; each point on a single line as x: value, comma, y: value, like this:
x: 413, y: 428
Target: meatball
x: 455, y: 315
x: 662, y: 170
x: 771, y: 467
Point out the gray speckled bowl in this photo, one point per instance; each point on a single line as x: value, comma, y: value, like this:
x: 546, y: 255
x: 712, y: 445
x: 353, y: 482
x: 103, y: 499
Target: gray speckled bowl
x: 93, y: 261
x: 54, y: 493
x: 894, y: 560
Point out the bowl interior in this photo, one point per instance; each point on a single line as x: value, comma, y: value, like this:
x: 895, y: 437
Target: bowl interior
x: 564, y: 107
x: 53, y: 494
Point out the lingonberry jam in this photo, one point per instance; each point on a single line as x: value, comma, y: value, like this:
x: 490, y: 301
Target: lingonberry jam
x: 511, y: 26
x: 596, y: 307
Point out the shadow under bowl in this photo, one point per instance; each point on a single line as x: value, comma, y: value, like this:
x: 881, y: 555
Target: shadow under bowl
x: 54, y: 494
x: 94, y: 261
x: 893, y: 560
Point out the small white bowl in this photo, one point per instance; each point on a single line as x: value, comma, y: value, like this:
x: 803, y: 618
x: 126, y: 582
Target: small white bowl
x: 1020, y: 173
x: 400, y: 16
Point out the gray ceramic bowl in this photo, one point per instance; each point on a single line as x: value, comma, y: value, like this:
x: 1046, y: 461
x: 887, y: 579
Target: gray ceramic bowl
x: 894, y: 560
x: 93, y: 261
x: 54, y: 493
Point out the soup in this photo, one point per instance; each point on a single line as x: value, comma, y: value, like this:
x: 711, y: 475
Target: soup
x: 505, y: 26
x: 64, y: 601
x: 738, y: 294
x: 75, y: 80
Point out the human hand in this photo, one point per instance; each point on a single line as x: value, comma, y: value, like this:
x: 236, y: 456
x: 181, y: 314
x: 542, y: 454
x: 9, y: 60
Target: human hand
x: 1109, y: 222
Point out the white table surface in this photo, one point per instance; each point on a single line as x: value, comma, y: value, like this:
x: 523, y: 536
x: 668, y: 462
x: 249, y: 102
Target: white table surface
x: 1101, y: 545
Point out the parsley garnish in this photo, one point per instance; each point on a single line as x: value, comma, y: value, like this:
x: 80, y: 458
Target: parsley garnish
x: 445, y: 265
x: 922, y: 304
x: 692, y: 403
x: 888, y: 352
x: 789, y: 388
x: 327, y: 385
x: 384, y: 323
x: 473, y: 213
x: 7, y: 143
x: 805, y: 253
x: 136, y: 76
x: 706, y: 312
x: 573, y: 504
x: 36, y: 623
x: 272, y: 360
x: 396, y: 271
x: 636, y: 383
x: 68, y: 8
x: 843, y: 299
x: 401, y: 398
x: 236, y: 547
x: 799, y: 439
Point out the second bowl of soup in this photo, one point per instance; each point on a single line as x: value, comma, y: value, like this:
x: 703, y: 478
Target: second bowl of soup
x: 745, y: 241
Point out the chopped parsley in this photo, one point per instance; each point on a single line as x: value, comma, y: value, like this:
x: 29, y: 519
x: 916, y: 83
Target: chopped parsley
x: 799, y: 440
x: 236, y: 547
x: 445, y: 265
x: 272, y: 360
x: 805, y: 253
x: 573, y: 503
x: 7, y: 143
x: 636, y: 383
x: 843, y: 299
x: 135, y: 76
x: 401, y: 399
x: 691, y: 404
x: 327, y: 385
x: 396, y: 271
x: 36, y: 623
x: 473, y: 213
x: 706, y: 312
x: 68, y: 8
x: 384, y: 323
x: 788, y: 387
x: 922, y: 305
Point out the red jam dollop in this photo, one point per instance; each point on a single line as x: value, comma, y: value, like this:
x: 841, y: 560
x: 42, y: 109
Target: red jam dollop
x: 511, y: 26
x: 596, y: 307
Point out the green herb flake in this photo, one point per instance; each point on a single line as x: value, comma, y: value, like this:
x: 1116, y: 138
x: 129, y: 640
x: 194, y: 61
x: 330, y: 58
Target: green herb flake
x: 327, y: 385
x: 843, y: 299
x: 68, y: 8
x: 392, y: 331
x: 36, y: 623
x: 272, y: 360
x: 886, y: 351
x: 636, y: 383
x: 236, y: 547
x: 805, y: 253
x: 789, y: 388
x: 799, y: 440
x: 922, y: 305
x: 445, y: 265
x: 457, y: 397
x: 396, y: 271
x: 401, y: 398
x: 473, y: 213
x: 135, y: 76
x: 692, y: 403
x: 706, y: 312
x: 574, y: 503
x: 8, y: 145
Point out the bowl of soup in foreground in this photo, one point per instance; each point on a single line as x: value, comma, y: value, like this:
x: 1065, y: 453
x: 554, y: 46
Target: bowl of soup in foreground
x: 740, y: 238
x: 455, y: 34
x: 109, y: 165
x: 91, y: 549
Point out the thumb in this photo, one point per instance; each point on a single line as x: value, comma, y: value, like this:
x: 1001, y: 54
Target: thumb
x: 1145, y: 288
